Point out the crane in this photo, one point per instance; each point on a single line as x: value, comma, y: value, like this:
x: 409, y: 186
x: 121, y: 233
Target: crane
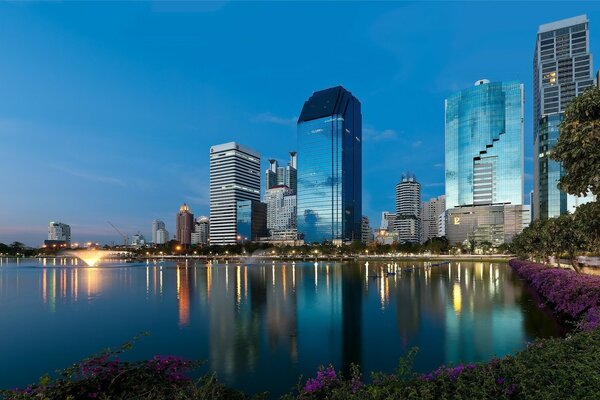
x: 125, y: 237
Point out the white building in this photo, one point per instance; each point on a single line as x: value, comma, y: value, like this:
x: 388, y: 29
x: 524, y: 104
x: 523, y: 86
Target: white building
x: 441, y: 224
x: 138, y: 240
x: 201, y: 231
x: 388, y: 221
x: 59, y: 231
x: 430, y: 214
x: 158, y: 225
x: 281, y: 209
x: 234, y: 176
x: 408, y: 209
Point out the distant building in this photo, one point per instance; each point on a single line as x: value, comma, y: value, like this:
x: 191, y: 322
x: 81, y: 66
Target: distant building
x: 562, y: 69
x: 185, y: 225
x: 138, y: 240
x: 441, y: 224
x: 281, y: 209
x: 388, y: 221
x: 330, y: 167
x: 234, y: 176
x: 282, y: 176
x: 430, y: 216
x: 408, y: 209
x: 251, y: 220
x: 201, y: 233
x: 366, y: 232
x: 162, y: 236
x: 156, y: 226
x: 59, y: 233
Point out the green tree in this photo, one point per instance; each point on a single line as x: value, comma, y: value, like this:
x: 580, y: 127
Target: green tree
x: 578, y: 146
x: 587, y: 222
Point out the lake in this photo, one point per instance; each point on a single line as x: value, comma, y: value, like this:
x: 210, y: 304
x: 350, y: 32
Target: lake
x: 260, y: 325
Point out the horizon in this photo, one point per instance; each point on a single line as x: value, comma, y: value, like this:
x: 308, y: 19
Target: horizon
x: 109, y: 110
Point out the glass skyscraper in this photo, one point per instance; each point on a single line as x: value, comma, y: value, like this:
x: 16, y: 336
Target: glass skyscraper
x: 562, y: 69
x: 484, y: 145
x: 330, y: 167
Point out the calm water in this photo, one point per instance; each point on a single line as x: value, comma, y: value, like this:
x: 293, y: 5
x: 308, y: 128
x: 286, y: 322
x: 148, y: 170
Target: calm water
x: 261, y: 325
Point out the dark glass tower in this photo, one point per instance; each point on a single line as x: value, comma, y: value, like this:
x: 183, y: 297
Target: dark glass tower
x: 330, y: 167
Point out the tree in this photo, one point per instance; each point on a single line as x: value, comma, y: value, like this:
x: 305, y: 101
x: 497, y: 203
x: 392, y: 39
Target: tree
x: 587, y: 222
x: 578, y: 146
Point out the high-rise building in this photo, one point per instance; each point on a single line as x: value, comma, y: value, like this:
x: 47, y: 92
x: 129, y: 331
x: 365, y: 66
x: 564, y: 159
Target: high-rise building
x: 185, y: 225
x: 430, y: 217
x: 562, y: 69
x: 388, y: 221
x: 201, y: 231
x: 408, y: 209
x: 281, y: 209
x: 234, y: 176
x: 251, y: 220
x: 330, y: 167
x: 484, y: 144
x: 282, y: 176
x: 484, y: 161
x: 156, y: 226
x: 138, y: 240
x: 162, y: 236
x: 59, y: 233
x: 366, y: 232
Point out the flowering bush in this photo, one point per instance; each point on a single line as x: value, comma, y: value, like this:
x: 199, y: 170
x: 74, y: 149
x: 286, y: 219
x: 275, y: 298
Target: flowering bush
x: 576, y: 296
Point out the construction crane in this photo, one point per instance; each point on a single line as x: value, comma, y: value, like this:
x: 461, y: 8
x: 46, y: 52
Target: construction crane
x: 125, y: 237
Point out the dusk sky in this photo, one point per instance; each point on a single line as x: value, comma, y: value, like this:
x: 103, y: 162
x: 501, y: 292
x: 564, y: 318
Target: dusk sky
x: 108, y: 110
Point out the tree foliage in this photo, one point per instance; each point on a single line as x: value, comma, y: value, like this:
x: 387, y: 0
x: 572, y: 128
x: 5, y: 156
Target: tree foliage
x: 578, y: 146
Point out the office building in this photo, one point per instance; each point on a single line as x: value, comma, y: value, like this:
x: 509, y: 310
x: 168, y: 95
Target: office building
x: 201, y: 233
x: 408, y: 209
x: 184, y: 225
x: 281, y: 209
x: 234, y: 176
x: 484, y: 144
x: 330, y: 167
x: 162, y: 236
x: 282, y: 176
x: 59, y: 235
x: 388, y: 221
x: 251, y: 222
x: 562, y: 69
x: 366, y: 231
x: 156, y: 226
x: 138, y: 240
x: 430, y: 217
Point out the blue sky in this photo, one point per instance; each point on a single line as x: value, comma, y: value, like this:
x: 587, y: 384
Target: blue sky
x: 108, y: 110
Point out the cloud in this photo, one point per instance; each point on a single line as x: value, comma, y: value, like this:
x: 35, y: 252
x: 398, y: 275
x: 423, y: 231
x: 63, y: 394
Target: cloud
x: 417, y: 144
x: 370, y: 133
x: 274, y: 119
x: 91, y: 176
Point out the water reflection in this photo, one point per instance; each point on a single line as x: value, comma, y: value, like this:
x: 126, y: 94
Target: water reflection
x: 262, y: 325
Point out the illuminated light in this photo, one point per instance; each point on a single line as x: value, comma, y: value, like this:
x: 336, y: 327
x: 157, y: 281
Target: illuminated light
x: 316, y: 281
x: 293, y: 276
x: 457, y: 298
x: 273, y: 275
x: 246, y: 282
x: 238, y: 286
x: 208, y: 281
x: 327, y: 276
x: 283, y: 278
x: 44, y: 284
x: 90, y: 257
x: 226, y: 278
x: 160, y: 281
x: 178, y: 282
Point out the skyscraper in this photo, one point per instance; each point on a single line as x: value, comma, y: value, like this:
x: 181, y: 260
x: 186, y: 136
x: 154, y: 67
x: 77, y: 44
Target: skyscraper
x: 157, y: 225
x: 430, y: 217
x: 408, y: 209
x: 484, y: 162
x: 562, y: 69
x: 330, y: 167
x: 185, y: 225
x: 234, y: 176
x: 281, y: 209
x: 201, y: 231
x: 59, y: 232
x: 251, y: 220
x: 282, y: 176
x: 484, y: 144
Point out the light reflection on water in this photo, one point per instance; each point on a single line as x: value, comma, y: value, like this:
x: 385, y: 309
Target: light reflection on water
x: 262, y: 325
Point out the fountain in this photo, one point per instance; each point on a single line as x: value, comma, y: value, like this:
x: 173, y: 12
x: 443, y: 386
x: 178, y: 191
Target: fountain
x: 90, y: 257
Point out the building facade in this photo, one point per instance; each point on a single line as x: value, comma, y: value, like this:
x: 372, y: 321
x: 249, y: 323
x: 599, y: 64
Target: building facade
x: 408, y: 209
x: 330, y: 167
x: 562, y: 69
x: 158, y: 225
x: 484, y: 144
x: 184, y: 225
x: 430, y: 217
x: 366, y: 231
x: 59, y: 233
x: 283, y: 176
x: 251, y: 224
x: 201, y: 233
x: 234, y: 176
x: 162, y: 236
x: 388, y: 221
x: 281, y: 209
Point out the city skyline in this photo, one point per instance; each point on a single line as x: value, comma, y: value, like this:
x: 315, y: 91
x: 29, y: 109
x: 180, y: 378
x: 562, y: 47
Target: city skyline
x: 103, y: 102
